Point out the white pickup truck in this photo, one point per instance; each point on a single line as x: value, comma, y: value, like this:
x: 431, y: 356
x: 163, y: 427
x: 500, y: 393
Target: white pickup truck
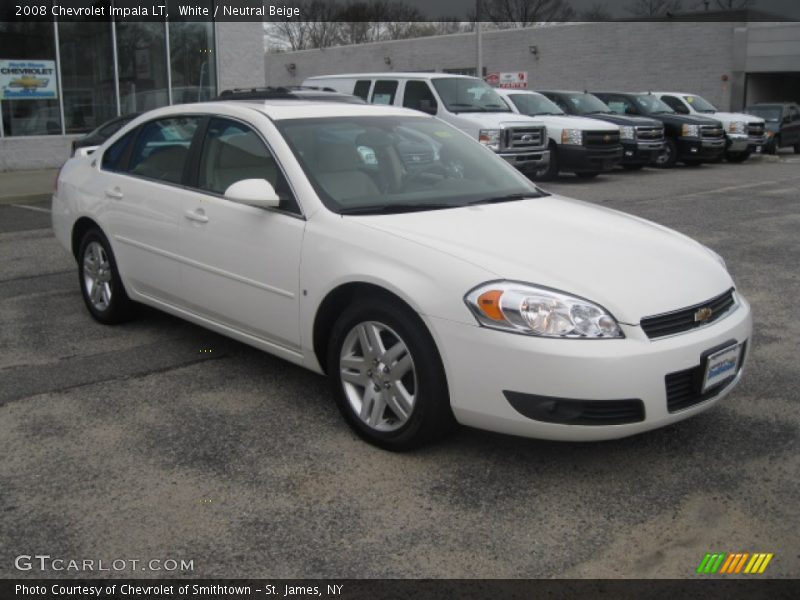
x: 467, y: 103
x: 744, y: 134
x: 586, y: 147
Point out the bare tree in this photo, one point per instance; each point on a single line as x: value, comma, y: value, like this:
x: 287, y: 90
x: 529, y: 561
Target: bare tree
x: 724, y: 4
x: 654, y: 8
x: 596, y: 12
x: 524, y: 13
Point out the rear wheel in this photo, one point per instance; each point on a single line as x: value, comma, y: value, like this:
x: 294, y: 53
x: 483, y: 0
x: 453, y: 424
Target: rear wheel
x: 737, y: 157
x: 387, y: 376
x: 101, y: 286
x: 669, y: 156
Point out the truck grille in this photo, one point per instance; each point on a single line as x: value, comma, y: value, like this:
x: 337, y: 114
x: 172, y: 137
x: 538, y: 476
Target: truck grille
x: 600, y: 139
x: 685, y: 319
x: 684, y: 387
x: 711, y: 132
x: 525, y: 138
x: 650, y: 134
x: 755, y: 129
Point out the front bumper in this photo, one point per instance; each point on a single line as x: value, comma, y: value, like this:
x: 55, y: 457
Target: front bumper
x: 640, y: 153
x: 583, y: 159
x: 700, y: 149
x: 527, y: 161
x: 743, y: 143
x: 483, y: 364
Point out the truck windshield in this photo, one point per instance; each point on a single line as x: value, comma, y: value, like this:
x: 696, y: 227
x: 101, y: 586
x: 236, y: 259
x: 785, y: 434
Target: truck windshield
x: 391, y: 164
x: 535, y: 104
x: 587, y: 104
x: 461, y: 94
x: 700, y: 104
x: 650, y: 105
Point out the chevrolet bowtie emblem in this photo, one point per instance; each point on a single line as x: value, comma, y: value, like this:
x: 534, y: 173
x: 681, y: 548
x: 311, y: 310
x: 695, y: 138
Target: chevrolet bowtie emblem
x: 606, y: 138
x: 703, y: 314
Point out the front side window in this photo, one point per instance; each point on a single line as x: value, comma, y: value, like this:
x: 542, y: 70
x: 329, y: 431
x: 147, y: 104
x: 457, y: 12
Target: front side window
x: 535, y: 104
x: 162, y: 148
x: 398, y: 164
x: 114, y: 157
x: 233, y: 152
x: 461, y: 94
x: 419, y: 96
x: 384, y: 92
x: 675, y: 104
x: 650, y: 105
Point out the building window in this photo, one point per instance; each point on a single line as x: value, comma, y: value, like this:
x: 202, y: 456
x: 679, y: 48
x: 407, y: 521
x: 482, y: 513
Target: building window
x: 192, y: 60
x: 87, y: 74
x: 29, y: 79
x: 142, y: 56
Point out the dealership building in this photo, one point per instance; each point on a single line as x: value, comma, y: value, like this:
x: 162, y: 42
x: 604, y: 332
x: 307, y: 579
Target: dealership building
x: 60, y: 80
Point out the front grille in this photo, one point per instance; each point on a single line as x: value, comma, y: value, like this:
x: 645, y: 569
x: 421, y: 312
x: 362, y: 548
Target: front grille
x: 755, y: 129
x: 650, y: 134
x: 685, y: 319
x: 568, y: 411
x: 600, y: 139
x: 710, y: 132
x: 525, y: 138
x: 684, y: 387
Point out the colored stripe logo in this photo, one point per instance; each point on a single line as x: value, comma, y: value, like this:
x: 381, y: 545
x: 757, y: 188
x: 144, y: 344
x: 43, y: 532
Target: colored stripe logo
x: 734, y: 563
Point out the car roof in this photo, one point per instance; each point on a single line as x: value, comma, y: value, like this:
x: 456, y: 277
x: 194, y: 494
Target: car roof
x: 393, y: 75
x: 515, y: 91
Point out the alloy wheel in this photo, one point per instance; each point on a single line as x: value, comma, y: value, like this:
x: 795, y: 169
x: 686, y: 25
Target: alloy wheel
x: 97, y: 276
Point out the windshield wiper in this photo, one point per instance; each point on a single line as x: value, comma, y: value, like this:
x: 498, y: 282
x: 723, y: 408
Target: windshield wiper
x: 387, y: 209
x: 505, y: 198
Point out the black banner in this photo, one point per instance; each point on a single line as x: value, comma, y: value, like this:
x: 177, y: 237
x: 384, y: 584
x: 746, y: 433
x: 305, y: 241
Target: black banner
x: 502, y: 13
x: 373, y: 589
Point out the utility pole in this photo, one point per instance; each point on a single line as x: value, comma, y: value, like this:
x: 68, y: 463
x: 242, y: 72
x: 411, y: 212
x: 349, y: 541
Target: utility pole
x: 479, y: 39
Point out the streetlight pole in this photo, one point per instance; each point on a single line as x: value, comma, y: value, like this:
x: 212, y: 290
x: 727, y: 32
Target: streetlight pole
x: 479, y: 39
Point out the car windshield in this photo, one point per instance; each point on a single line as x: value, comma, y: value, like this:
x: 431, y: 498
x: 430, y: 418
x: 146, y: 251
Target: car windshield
x: 700, y: 104
x: 535, y: 104
x: 587, y: 104
x: 768, y: 113
x: 469, y: 95
x: 650, y: 105
x: 385, y: 164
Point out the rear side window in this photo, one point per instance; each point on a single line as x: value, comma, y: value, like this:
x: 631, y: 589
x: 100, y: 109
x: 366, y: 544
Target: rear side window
x: 384, y: 92
x: 162, y: 148
x: 418, y: 95
x: 114, y: 157
x: 362, y: 89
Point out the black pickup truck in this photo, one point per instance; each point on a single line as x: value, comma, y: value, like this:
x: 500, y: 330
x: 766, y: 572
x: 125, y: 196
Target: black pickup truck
x: 642, y: 138
x: 691, y: 139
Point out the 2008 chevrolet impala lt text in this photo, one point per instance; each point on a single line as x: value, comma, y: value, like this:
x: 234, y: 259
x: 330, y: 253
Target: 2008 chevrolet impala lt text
x: 430, y: 280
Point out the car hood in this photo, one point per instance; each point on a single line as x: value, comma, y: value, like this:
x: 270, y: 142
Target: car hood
x: 488, y: 120
x: 575, y: 122
x: 729, y: 116
x: 632, y: 267
x: 626, y: 120
x: 687, y: 119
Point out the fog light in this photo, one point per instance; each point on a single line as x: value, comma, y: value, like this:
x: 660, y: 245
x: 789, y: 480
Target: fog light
x: 694, y: 150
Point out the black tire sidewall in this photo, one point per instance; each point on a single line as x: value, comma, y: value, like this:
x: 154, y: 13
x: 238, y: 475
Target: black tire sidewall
x: 431, y: 416
x: 672, y: 147
x: 120, y: 308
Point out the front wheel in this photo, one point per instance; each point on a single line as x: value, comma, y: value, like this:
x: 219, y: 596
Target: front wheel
x: 387, y: 376
x: 669, y: 156
x: 737, y: 157
x: 551, y: 172
x: 101, y: 286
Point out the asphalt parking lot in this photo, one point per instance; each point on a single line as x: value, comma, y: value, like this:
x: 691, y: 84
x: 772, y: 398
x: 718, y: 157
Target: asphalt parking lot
x: 158, y: 439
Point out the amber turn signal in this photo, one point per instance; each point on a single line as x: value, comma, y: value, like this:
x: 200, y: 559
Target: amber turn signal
x: 489, y: 304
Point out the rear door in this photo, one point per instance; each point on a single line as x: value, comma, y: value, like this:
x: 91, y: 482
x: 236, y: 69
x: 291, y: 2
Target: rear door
x: 241, y: 264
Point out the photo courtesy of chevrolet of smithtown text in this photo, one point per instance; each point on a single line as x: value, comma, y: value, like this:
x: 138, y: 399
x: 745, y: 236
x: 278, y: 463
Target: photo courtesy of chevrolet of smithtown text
x: 389, y: 298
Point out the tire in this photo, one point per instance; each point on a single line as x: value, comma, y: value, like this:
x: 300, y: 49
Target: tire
x: 588, y: 174
x: 638, y: 167
x: 737, y: 157
x: 414, y: 371
x: 551, y: 172
x: 101, y: 286
x: 776, y: 145
x: 668, y: 158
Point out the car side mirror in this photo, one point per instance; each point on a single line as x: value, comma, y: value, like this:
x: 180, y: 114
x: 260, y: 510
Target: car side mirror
x: 85, y: 151
x: 427, y: 106
x: 253, y: 192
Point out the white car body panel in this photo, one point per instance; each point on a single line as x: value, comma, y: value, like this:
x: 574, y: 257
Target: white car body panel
x: 260, y: 276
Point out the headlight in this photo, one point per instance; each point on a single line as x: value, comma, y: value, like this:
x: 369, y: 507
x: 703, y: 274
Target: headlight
x: 627, y: 132
x: 531, y: 310
x: 690, y: 131
x: 572, y: 136
x: 490, y: 138
x: 737, y: 127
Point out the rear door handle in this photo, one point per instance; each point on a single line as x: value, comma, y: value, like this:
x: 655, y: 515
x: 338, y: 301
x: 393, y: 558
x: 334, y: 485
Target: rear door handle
x: 114, y: 193
x: 198, y: 215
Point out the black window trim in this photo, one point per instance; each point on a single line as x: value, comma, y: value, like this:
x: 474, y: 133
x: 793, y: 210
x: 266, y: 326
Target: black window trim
x: 191, y: 174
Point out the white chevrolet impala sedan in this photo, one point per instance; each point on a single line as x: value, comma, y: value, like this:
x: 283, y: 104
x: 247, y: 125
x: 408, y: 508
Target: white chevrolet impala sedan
x: 432, y: 282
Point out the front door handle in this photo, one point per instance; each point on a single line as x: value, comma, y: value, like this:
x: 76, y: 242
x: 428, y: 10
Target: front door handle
x: 114, y: 193
x: 198, y: 215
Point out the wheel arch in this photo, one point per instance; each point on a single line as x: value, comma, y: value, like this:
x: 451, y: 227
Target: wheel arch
x: 79, y: 229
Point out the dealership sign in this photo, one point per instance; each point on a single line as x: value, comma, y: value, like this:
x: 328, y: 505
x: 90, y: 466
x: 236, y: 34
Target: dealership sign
x: 515, y: 79
x: 27, y: 79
